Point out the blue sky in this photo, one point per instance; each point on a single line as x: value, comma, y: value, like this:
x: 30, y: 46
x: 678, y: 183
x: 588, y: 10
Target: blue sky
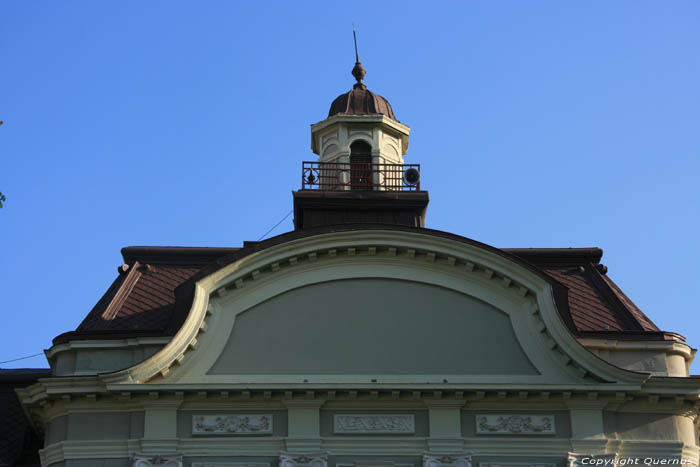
x: 537, y: 124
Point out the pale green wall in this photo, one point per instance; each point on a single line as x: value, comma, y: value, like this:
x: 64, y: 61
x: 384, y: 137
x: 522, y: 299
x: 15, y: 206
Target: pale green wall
x: 95, y: 426
x: 643, y: 426
x: 93, y: 361
x: 57, y: 430
x: 372, y: 327
x: 111, y: 425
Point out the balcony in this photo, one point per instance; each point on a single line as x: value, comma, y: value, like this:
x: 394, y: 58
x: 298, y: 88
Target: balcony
x: 338, y: 176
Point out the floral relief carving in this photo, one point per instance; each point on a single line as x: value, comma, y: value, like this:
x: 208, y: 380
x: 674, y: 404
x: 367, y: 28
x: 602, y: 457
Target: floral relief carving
x: 144, y: 460
x: 374, y: 423
x: 515, y: 424
x: 447, y: 460
x: 232, y: 424
x: 319, y: 459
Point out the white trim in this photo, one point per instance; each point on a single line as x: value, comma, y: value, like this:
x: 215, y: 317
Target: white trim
x: 669, y: 346
x: 94, y: 344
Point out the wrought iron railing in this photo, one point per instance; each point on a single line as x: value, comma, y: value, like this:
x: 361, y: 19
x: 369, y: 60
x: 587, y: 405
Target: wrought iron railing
x: 338, y: 176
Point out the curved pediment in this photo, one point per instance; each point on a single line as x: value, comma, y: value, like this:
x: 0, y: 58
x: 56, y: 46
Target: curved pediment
x: 374, y: 307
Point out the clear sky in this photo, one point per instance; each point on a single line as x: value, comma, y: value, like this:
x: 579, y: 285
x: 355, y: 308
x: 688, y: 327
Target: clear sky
x: 537, y: 124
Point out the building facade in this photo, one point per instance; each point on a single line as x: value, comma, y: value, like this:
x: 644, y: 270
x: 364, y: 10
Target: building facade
x: 364, y: 339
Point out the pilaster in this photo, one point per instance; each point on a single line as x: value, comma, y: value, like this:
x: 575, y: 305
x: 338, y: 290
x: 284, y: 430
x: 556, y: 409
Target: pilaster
x: 160, y: 425
x: 587, y: 431
x: 303, y: 425
x: 445, y: 425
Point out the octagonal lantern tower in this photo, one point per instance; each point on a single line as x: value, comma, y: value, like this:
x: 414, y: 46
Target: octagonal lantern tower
x: 360, y: 175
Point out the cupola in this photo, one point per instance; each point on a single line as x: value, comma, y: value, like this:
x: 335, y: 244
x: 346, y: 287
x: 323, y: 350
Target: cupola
x: 360, y: 176
x: 360, y: 115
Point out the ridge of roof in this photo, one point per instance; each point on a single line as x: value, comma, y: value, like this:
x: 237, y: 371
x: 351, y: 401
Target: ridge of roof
x: 541, y: 256
x: 173, y: 254
x: 22, y: 375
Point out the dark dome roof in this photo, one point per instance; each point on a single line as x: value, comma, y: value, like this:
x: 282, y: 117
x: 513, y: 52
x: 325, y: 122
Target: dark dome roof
x: 360, y: 101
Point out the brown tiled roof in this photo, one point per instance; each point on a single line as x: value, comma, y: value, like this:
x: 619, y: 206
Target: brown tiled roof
x: 19, y: 443
x: 638, y: 314
x: 142, y: 299
x: 589, y: 309
x: 596, y: 303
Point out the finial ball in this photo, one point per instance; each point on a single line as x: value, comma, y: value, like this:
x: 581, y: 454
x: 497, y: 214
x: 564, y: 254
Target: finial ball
x: 358, y: 71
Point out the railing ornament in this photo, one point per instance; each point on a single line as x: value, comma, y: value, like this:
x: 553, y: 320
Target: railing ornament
x: 340, y: 176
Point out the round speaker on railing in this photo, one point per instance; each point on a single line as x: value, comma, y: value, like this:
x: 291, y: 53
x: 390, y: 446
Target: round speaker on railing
x: 411, y: 176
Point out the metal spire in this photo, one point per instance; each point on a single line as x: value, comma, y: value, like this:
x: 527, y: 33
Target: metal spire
x: 354, y: 36
x: 358, y: 71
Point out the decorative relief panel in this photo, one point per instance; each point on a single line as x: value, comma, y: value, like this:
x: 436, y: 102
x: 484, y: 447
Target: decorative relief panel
x: 515, y: 424
x: 391, y: 151
x: 447, y: 460
x: 353, y: 133
x: 325, y: 139
x: 148, y: 460
x: 232, y: 424
x: 330, y: 150
x: 379, y: 424
x: 319, y: 459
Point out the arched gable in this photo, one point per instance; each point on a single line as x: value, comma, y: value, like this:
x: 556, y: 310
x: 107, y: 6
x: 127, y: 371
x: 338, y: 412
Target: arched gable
x: 476, y: 277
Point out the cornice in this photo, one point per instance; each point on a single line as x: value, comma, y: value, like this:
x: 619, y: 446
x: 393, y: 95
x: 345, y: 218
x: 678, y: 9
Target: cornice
x: 102, y: 344
x: 401, y: 130
x: 377, y: 118
x: 668, y: 346
x: 357, y: 445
